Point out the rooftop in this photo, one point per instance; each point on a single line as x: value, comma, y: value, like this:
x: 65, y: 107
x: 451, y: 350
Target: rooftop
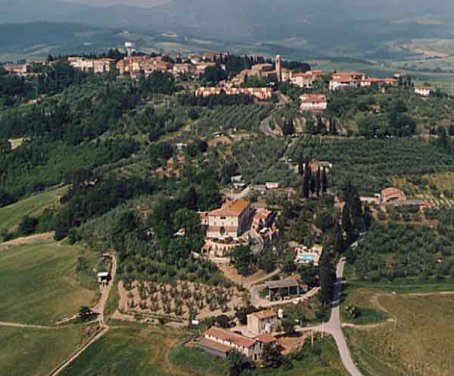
x: 225, y: 335
x: 208, y: 343
x: 311, y: 98
x: 266, y: 338
x: 283, y: 283
x: 231, y: 209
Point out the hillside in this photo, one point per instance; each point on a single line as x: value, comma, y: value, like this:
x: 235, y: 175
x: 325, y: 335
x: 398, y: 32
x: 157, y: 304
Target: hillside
x: 290, y: 27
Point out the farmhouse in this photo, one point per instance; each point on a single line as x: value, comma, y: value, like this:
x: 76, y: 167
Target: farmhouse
x: 262, y: 322
x: 17, y: 69
x: 304, y: 80
x: 369, y: 81
x: 313, y: 102
x: 84, y: 64
x: 395, y: 198
x: 283, y: 288
x: 424, y: 91
x: 220, y: 342
x: 392, y: 194
x: 343, y: 80
x: 229, y: 221
x: 143, y: 65
x: 261, y: 93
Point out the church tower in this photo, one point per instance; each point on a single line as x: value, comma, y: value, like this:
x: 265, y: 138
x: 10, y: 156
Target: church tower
x: 279, y: 68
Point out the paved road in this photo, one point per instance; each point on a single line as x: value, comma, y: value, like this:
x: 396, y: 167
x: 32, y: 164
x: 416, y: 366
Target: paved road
x: 265, y: 124
x: 334, y: 326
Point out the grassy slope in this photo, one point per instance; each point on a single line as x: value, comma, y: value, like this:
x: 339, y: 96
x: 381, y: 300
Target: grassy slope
x: 11, y: 215
x: 36, y: 352
x: 196, y: 362
x: 128, y: 349
x: 39, y: 283
x: 418, y: 343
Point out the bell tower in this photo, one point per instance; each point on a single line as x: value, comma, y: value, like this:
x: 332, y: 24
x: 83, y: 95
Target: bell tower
x: 278, y: 68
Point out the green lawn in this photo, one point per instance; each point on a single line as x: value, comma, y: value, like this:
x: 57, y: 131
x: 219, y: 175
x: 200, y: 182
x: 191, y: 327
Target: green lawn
x: 322, y: 360
x: 36, y: 351
x: 39, y: 284
x: 128, y: 349
x: 11, y: 215
x: 197, y: 362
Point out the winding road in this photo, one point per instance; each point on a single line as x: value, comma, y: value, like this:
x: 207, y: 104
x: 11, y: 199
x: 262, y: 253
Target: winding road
x: 334, y: 326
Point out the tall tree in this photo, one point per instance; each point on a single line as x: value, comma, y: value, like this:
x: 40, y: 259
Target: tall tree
x: 327, y: 279
x: 192, y: 198
x: 307, y: 179
x: 318, y: 181
x: 347, y: 225
x: 324, y: 181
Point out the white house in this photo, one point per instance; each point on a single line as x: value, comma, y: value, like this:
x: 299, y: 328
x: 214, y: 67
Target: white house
x: 424, y: 91
x: 313, y: 102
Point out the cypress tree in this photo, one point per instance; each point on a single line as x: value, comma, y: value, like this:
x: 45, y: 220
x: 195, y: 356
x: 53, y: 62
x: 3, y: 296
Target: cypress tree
x: 347, y: 225
x: 318, y: 181
x: 307, y: 180
x: 324, y: 181
x: 327, y: 279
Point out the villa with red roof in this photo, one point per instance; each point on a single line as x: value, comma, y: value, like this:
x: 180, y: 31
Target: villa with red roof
x: 231, y: 220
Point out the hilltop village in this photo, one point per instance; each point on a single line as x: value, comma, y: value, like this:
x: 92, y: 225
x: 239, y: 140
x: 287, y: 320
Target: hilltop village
x: 221, y: 195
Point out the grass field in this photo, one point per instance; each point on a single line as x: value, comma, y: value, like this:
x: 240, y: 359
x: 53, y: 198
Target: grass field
x: 10, y: 216
x: 419, y: 342
x: 129, y: 349
x: 364, y: 301
x: 39, y: 284
x: 323, y: 361
x: 36, y: 351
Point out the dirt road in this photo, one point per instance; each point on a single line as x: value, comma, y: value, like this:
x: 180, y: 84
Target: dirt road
x: 99, y: 308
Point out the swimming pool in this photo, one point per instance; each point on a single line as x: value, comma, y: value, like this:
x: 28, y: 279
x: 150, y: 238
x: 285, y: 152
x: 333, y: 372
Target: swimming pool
x: 306, y: 258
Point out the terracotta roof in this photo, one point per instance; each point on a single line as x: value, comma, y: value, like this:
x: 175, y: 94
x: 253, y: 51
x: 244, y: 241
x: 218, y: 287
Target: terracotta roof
x: 261, y: 215
x: 227, y: 336
x: 265, y: 314
x: 231, y: 209
x: 208, y: 343
x: 266, y: 338
x: 347, y: 76
x: 313, y: 98
x: 387, y: 193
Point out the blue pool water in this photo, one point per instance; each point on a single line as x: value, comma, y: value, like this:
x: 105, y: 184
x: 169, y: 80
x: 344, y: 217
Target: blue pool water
x: 306, y: 258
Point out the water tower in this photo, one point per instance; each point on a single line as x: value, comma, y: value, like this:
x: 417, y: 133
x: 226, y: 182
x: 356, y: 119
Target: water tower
x: 129, y: 46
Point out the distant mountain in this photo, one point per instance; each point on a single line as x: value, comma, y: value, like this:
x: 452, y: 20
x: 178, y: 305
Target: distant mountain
x: 358, y: 28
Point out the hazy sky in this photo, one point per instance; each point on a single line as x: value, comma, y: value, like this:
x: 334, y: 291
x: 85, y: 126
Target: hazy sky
x: 141, y: 3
